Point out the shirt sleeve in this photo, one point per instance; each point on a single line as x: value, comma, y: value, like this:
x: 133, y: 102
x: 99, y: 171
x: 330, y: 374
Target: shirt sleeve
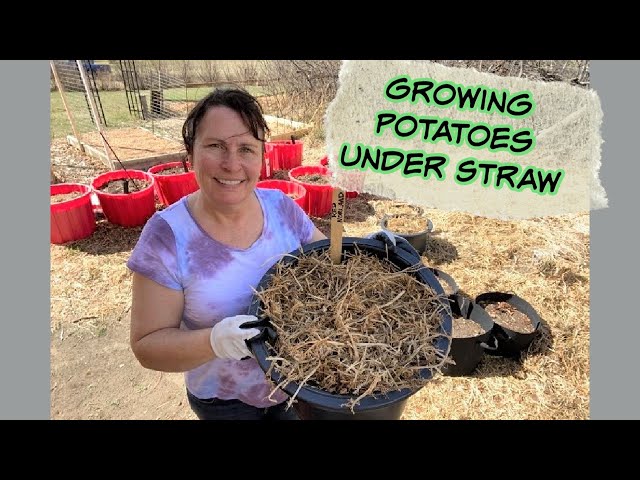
x: 154, y: 255
x: 301, y: 221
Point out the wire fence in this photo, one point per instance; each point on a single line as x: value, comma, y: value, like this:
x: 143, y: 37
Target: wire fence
x: 96, y: 97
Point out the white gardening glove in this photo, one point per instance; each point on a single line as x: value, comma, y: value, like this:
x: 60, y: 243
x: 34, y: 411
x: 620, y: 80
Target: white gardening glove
x: 227, y: 338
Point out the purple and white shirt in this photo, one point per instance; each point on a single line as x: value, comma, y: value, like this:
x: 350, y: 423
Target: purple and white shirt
x: 217, y: 280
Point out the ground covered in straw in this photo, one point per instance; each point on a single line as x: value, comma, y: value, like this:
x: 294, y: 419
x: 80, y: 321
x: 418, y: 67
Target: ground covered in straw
x: 545, y: 261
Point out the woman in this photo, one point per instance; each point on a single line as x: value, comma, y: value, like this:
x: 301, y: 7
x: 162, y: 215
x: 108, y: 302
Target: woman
x: 196, y: 262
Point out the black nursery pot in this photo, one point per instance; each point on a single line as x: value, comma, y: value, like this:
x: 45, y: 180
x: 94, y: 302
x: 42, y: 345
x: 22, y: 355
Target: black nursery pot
x: 316, y: 404
x: 467, y: 351
x: 510, y: 343
x: 417, y: 240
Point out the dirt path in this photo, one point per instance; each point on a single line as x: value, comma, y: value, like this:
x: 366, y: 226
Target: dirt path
x: 94, y: 375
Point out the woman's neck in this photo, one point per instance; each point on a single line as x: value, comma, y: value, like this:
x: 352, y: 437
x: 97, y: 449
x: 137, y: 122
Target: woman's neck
x: 228, y: 214
x: 238, y: 226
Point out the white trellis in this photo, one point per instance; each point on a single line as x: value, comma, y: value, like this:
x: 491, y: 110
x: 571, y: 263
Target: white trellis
x: 155, y: 95
x: 96, y: 98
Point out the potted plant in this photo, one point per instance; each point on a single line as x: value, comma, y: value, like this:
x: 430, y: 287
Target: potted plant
x: 471, y: 335
x: 174, y: 180
x: 72, y: 216
x: 127, y: 197
x: 284, y: 154
x: 315, y: 179
x: 413, y: 228
x: 516, y: 322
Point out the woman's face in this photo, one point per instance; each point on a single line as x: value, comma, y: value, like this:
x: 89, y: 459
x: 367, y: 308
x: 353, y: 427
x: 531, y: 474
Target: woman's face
x: 226, y: 157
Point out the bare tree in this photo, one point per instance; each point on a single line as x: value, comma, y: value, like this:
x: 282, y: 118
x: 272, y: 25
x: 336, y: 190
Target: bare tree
x: 208, y: 71
x: 300, y: 89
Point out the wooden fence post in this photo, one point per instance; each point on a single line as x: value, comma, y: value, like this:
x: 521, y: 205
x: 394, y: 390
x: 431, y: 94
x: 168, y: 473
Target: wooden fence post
x: 94, y: 112
x: 76, y: 133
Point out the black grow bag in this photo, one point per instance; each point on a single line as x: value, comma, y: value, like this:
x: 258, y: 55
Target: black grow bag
x: 315, y: 404
x: 468, y: 351
x: 510, y: 343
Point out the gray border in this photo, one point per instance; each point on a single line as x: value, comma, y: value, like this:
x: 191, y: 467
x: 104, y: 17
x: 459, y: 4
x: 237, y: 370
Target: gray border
x: 615, y: 390
x: 24, y: 296
x: 25, y: 338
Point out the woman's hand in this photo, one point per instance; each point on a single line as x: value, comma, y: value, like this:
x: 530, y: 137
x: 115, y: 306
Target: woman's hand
x: 228, y: 339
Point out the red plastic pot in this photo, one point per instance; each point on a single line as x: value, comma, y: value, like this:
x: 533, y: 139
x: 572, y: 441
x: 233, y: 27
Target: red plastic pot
x: 285, y: 154
x: 318, y: 202
x: 126, y: 209
x: 171, y: 188
x: 72, y: 219
x: 288, y: 188
x: 324, y: 161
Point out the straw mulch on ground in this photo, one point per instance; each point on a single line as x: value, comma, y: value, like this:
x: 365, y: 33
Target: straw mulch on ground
x: 545, y: 261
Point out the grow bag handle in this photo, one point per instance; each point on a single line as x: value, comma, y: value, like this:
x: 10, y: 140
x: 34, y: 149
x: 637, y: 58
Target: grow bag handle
x: 266, y: 332
x: 488, y: 347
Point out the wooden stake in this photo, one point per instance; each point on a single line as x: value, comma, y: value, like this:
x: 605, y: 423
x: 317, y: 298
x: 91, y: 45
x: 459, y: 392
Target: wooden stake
x: 337, y: 220
x: 66, y: 107
x: 94, y: 112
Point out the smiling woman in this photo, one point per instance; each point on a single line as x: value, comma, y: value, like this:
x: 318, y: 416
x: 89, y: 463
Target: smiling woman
x: 227, y: 159
x: 197, y: 263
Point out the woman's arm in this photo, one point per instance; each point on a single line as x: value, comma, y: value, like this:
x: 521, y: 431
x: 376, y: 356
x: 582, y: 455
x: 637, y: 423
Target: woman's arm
x: 155, y: 336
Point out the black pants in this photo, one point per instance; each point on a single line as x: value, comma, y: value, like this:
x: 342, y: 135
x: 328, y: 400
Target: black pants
x: 216, y: 409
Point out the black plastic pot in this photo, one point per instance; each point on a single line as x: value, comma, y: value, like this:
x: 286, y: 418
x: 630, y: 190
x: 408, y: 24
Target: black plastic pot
x: 417, y: 240
x: 444, y: 278
x: 468, y: 351
x: 509, y: 342
x: 313, y: 403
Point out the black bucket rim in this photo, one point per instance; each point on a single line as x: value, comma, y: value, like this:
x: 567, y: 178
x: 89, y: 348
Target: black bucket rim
x: 510, y: 342
x: 335, y: 402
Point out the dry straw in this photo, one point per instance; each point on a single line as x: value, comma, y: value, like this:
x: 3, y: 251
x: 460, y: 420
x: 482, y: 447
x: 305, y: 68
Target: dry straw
x: 359, y: 328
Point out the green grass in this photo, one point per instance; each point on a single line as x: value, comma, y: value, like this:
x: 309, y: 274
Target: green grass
x: 114, y: 105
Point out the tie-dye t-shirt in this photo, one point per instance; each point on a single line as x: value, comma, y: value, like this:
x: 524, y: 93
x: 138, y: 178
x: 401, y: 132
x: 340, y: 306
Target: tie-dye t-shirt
x: 216, y: 279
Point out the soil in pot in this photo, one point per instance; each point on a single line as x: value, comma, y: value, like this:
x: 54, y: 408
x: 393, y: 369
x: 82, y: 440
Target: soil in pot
x: 124, y: 186
x: 172, y: 171
x: 465, y: 328
x: 63, y: 197
x: 280, y: 175
x: 407, y: 224
x: 508, y: 316
x: 314, y: 178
